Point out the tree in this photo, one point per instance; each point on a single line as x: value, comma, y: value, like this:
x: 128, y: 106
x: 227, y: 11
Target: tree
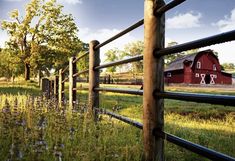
x: 112, y: 55
x: 171, y: 57
x: 44, y: 37
x: 134, y: 49
x: 83, y: 64
x: 10, y: 65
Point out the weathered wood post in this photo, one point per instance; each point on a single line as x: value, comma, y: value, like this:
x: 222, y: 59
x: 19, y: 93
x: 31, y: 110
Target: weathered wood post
x: 94, y: 60
x: 56, y: 87
x: 72, y: 82
x: 153, y: 118
x: 51, y: 88
x: 45, y: 87
x: 61, y: 88
x: 109, y: 79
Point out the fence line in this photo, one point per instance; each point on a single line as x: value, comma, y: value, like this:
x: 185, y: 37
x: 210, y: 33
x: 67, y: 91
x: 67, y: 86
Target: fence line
x: 153, y: 93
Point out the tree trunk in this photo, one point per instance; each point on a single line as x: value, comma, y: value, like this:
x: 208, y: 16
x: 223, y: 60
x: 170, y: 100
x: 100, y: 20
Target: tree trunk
x: 26, y: 71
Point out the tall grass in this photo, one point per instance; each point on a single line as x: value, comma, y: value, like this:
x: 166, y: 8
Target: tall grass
x: 33, y: 128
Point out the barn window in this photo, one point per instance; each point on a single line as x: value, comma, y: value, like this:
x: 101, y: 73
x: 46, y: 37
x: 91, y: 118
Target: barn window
x: 197, y: 75
x: 214, y: 67
x: 168, y: 74
x: 198, y: 65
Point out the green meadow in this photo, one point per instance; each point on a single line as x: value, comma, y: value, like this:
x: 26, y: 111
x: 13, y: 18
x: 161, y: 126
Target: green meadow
x: 33, y: 128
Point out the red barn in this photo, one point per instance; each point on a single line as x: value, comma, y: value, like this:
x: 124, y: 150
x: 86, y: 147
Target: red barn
x: 199, y: 68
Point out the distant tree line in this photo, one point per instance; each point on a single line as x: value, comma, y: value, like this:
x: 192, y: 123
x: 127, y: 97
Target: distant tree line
x: 228, y: 66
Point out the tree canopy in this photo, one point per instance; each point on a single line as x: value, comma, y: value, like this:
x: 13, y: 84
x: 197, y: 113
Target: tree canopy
x: 228, y: 66
x: 134, y: 49
x: 9, y: 65
x: 43, y: 38
x: 130, y: 50
x: 112, y: 55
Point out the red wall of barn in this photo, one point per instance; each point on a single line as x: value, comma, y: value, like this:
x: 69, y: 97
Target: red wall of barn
x: 177, y: 76
x: 187, y: 73
x: 207, y: 61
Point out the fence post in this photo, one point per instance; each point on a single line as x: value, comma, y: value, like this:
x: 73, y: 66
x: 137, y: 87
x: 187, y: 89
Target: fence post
x: 45, y: 87
x: 72, y: 83
x: 61, y: 88
x: 94, y: 60
x: 153, y: 118
x: 52, y: 88
x: 56, y: 87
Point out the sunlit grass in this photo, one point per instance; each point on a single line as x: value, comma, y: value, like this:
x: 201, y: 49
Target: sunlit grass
x: 216, y: 134
x: 226, y: 89
x: 23, y: 88
x: 212, y: 126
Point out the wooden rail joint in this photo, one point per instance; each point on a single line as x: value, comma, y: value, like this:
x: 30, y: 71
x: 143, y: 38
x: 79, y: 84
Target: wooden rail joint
x: 156, y: 56
x: 160, y: 5
x: 159, y: 133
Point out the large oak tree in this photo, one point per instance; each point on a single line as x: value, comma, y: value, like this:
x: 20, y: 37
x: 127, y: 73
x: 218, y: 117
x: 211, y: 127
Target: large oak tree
x: 44, y: 37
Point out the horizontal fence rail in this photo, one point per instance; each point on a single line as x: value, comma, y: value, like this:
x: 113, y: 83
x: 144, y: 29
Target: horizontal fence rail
x: 200, y: 98
x: 80, y: 73
x: 65, y: 80
x: 65, y: 69
x: 212, y: 40
x: 118, y: 90
x: 80, y: 57
x: 81, y: 88
x: 136, y: 25
x: 168, y: 6
x: 120, y: 117
x: 120, y: 62
x: 203, y: 151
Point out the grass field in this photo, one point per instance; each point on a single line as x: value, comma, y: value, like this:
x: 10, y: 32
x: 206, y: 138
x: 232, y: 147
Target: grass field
x: 35, y: 129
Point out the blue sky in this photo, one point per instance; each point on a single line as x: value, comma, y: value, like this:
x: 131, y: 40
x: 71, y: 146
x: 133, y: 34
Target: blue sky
x: 101, y: 19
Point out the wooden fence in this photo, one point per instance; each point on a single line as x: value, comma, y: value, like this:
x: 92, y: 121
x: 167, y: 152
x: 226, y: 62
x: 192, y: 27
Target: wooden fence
x: 153, y: 83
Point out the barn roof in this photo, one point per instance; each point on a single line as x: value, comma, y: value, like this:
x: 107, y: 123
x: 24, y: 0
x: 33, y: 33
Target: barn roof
x: 178, y: 63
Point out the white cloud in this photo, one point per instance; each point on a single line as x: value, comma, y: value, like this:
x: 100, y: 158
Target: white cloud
x: 228, y: 23
x: 86, y: 35
x: 225, y: 50
x: 182, y: 21
x: 70, y: 1
x: 168, y: 40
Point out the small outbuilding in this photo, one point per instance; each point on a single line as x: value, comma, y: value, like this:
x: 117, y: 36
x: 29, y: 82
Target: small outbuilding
x: 199, y: 68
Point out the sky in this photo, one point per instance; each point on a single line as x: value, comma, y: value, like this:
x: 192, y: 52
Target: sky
x: 101, y: 19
